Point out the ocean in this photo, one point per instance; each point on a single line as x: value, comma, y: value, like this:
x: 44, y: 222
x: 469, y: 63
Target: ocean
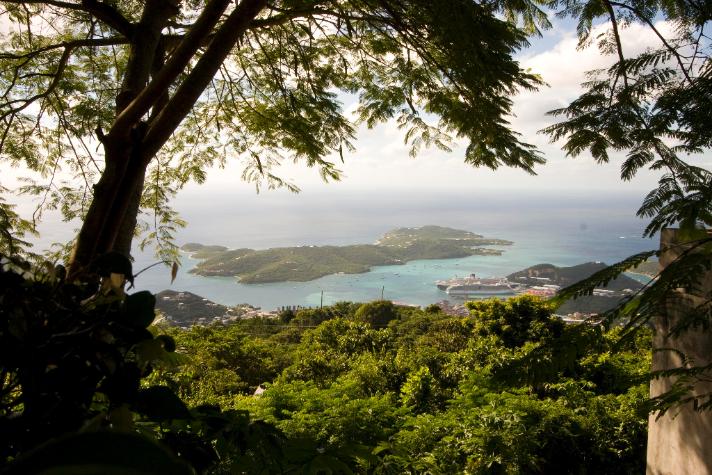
x: 561, y: 229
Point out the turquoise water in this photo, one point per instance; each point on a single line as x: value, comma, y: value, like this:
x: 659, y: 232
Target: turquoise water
x: 544, y: 228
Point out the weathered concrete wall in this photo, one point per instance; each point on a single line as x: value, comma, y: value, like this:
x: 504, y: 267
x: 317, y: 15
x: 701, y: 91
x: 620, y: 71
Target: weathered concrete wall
x: 680, y: 442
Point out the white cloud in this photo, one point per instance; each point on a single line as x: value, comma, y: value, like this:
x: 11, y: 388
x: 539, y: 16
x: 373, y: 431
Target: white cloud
x: 563, y: 67
x: 381, y: 158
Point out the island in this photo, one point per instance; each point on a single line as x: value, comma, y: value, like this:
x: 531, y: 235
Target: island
x: 554, y: 277
x: 565, y: 276
x: 305, y: 263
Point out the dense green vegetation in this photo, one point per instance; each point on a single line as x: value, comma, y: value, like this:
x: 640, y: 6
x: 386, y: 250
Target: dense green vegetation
x: 311, y: 262
x: 350, y: 388
x: 378, y: 388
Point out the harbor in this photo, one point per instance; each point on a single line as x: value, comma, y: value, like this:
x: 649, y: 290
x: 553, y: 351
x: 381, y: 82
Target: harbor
x: 473, y: 287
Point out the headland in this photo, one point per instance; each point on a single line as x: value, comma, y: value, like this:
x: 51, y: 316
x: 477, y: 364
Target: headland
x: 305, y: 263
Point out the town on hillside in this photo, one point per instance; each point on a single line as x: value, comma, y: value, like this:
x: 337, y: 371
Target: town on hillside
x: 185, y: 309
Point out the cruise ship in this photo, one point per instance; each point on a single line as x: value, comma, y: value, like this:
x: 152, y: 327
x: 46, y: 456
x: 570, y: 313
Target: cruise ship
x: 444, y: 284
x: 473, y: 286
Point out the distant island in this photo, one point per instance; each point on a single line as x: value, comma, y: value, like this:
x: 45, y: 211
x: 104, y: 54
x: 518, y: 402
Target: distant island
x: 307, y: 263
x: 600, y: 301
x: 565, y: 276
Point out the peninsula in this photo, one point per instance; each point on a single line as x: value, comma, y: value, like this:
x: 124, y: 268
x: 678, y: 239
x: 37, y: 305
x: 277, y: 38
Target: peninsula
x: 306, y: 263
x: 601, y: 299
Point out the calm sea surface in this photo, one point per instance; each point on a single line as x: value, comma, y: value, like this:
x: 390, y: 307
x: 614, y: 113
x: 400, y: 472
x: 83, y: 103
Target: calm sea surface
x: 562, y: 229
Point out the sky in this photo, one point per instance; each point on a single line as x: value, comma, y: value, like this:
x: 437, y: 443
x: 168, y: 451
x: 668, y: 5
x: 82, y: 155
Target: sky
x: 381, y: 160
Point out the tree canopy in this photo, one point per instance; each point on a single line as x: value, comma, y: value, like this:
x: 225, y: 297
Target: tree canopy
x: 134, y: 99
x: 654, y: 106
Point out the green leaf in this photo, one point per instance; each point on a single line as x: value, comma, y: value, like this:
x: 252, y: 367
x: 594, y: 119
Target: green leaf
x: 687, y: 234
x: 150, y: 350
x: 169, y: 344
x: 139, y: 309
x: 174, y: 271
x: 100, y: 453
x: 159, y: 403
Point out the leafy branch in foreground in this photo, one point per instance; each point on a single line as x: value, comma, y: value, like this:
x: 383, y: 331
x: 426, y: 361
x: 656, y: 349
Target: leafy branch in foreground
x: 13, y: 229
x: 655, y: 107
x: 601, y: 278
x: 115, y: 106
x: 73, y: 390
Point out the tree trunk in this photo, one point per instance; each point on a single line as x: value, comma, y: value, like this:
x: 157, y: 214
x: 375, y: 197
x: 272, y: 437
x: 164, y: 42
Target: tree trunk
x: 679, y: 441
x: 127, y: 230
x: 131, y: 143
x: 111, y: 218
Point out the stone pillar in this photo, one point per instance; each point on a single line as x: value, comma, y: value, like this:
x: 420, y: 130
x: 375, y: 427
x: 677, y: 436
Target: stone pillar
x: 680, y: 442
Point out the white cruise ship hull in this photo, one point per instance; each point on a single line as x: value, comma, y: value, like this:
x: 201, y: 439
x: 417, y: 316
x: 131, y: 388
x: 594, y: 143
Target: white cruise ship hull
x: 480, y: 292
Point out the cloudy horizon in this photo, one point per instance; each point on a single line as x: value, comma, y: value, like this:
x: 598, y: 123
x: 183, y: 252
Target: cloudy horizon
x: 381, y: 160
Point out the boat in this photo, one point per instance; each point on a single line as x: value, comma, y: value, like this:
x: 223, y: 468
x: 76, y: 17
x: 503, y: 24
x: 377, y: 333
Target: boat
x: 483, y: 287
x: 473, y: 286
x: 444, y: 284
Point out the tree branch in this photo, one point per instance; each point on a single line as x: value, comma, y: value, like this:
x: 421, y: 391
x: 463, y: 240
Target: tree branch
x: 616, y: 35
x: 52, y: 86
x: 287, y: 15
x: 275, y: 20
x: 53, y: 3
x: 193, y: 86
x: 88, y: 42
x: 110, y: 16
x: 173, y: 67
x: 144, y: 44
x: 672, y: 50
x: 102, y: 11
x: 697, y: 48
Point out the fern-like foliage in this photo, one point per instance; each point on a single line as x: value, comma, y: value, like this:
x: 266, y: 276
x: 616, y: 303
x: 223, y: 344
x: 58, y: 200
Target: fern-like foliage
x: 667, y: 290
x: 684, y: 378
x: 601, y: 278
x: 656, y: 108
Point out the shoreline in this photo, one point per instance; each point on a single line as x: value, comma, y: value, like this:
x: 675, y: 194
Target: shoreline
x: 308, y: 263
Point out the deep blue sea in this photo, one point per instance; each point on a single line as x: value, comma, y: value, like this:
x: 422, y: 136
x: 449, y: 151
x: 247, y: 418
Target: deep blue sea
x: 561, y: 229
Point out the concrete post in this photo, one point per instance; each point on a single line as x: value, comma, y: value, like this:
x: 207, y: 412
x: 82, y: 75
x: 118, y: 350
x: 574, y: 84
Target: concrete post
x: 680, y: 442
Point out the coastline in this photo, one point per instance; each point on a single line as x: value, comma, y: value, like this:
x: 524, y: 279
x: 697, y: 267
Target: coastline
x: 308, y: 263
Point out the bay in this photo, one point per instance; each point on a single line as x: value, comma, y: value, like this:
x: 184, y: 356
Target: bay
x: 545, y: 227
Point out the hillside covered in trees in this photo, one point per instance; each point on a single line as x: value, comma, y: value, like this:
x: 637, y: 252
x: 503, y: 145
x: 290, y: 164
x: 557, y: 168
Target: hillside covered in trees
x: 90, y: 385
x: 378, y: 388
x: 565, y: 276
